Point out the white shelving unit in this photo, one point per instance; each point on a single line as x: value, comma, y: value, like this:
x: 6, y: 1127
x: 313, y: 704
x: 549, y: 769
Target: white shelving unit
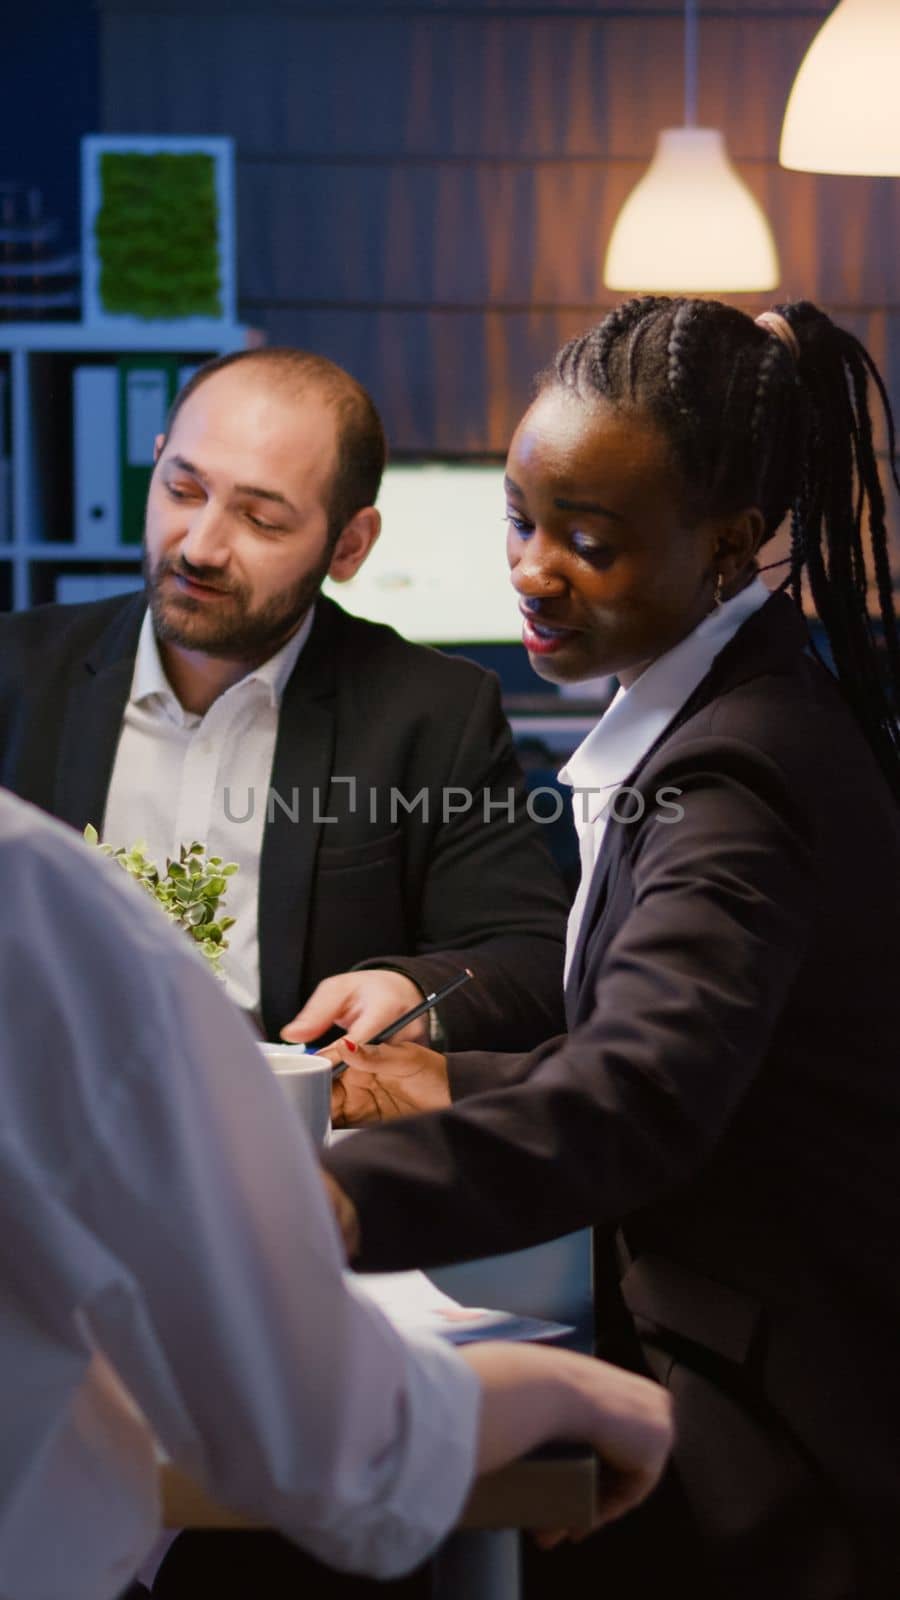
x: 37, y: 532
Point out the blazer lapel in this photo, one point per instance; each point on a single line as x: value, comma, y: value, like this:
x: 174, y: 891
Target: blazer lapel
x: 769, y: 639
x: 593, y: 911
x: 301, y: 772
x: 92, y: 721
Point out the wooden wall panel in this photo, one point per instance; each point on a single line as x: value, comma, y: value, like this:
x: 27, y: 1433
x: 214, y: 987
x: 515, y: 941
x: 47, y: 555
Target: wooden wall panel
x: 426, y: 190
x: 466, y: 86
x: 464, y: 377
x: 642, y: 10
x: 498, y: 233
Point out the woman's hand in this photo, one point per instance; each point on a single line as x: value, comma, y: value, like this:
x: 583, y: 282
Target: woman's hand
x: 382, y: 1081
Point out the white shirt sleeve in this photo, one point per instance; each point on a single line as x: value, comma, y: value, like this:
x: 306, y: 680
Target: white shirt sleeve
x: 211, y: 1271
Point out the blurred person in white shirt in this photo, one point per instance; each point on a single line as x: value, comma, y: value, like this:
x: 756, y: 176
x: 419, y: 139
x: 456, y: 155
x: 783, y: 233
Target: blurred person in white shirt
x: 173, y: 1277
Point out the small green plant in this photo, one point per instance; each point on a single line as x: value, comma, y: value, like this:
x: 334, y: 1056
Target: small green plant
x: 190, y: 891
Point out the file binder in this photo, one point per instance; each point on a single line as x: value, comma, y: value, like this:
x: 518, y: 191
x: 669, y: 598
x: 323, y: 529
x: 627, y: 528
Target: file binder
x: 119, y: 409
x: 146, y: 390
x: 95, y: 401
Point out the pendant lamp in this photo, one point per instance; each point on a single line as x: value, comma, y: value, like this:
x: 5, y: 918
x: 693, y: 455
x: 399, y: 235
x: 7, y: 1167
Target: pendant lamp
x: 843, y: 113
x: 691, y: 224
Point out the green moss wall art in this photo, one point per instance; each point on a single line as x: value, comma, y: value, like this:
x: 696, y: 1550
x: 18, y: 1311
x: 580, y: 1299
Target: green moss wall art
x: 157, y: 232
x: 157, y: 235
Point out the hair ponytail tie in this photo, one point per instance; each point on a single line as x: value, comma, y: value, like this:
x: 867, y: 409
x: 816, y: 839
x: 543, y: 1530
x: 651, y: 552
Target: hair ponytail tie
x: 775, y: 323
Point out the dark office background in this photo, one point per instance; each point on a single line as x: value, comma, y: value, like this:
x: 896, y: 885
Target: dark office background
x: 425, y: 190
x: 50, y: 80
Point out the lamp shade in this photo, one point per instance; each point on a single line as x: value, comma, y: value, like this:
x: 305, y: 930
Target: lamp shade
x: 843, y: 113
x: 691, y: 224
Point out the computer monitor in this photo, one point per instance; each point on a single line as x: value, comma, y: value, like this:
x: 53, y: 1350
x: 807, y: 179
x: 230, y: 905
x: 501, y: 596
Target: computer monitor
x: 438, y: 574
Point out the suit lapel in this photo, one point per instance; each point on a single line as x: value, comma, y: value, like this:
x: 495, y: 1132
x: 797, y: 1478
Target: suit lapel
x: 770, y: 639
x: 593, y: 912
x: 301, y: 772
x: 92, y: 720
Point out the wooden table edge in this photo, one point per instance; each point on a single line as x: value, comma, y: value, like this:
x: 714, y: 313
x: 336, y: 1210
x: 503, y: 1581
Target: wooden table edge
x: 536, y: 1493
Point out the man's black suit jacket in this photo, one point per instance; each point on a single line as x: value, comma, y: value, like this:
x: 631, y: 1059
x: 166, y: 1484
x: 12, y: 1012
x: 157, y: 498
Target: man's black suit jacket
x: 728, y: 1095
x: 369, y: 726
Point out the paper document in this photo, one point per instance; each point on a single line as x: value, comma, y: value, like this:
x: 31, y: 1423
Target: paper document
x: 415, y: 1305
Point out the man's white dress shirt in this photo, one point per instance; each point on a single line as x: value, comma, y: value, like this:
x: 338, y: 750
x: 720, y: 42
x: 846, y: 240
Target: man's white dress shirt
x: 634, y: 722
x: 165, y: 1232
x: 180, y: 777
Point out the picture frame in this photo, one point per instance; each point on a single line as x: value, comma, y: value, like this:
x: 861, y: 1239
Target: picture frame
x: 157, y: 233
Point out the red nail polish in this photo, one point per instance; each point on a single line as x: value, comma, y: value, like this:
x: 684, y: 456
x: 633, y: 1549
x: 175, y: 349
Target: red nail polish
x: 351, y: 1046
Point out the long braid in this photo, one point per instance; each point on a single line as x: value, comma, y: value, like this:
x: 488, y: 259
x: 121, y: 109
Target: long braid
x: 750, y: 425
x: 872, y: 492
x: 772, y: 366
x: 846, y: 517
x: 797, y: 559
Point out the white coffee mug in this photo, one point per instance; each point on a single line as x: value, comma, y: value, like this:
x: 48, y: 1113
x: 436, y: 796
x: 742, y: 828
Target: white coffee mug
x: 306, y: 1081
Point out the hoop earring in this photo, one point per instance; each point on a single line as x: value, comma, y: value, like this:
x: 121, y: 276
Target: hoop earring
x: 719, y: 593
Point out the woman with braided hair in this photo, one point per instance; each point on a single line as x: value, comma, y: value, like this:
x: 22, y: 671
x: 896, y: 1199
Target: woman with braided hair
x: 771, y: 415
x: 725, y: 1107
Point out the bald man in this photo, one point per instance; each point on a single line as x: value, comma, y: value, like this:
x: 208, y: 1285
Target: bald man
x: 366, y: 787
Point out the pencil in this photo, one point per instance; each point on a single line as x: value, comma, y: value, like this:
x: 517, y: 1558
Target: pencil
x: 423, y: 1006
x: 411, y: 1016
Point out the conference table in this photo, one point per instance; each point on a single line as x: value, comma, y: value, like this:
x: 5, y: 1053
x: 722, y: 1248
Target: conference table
x: 552, y: 1488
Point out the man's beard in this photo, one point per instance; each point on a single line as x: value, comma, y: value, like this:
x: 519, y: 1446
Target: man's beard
x: 226, y: 627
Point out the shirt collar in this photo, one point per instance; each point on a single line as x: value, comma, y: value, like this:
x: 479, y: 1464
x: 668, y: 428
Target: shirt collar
x: 637, y: 716
x: 275, y: 672
x: 150, y: 679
